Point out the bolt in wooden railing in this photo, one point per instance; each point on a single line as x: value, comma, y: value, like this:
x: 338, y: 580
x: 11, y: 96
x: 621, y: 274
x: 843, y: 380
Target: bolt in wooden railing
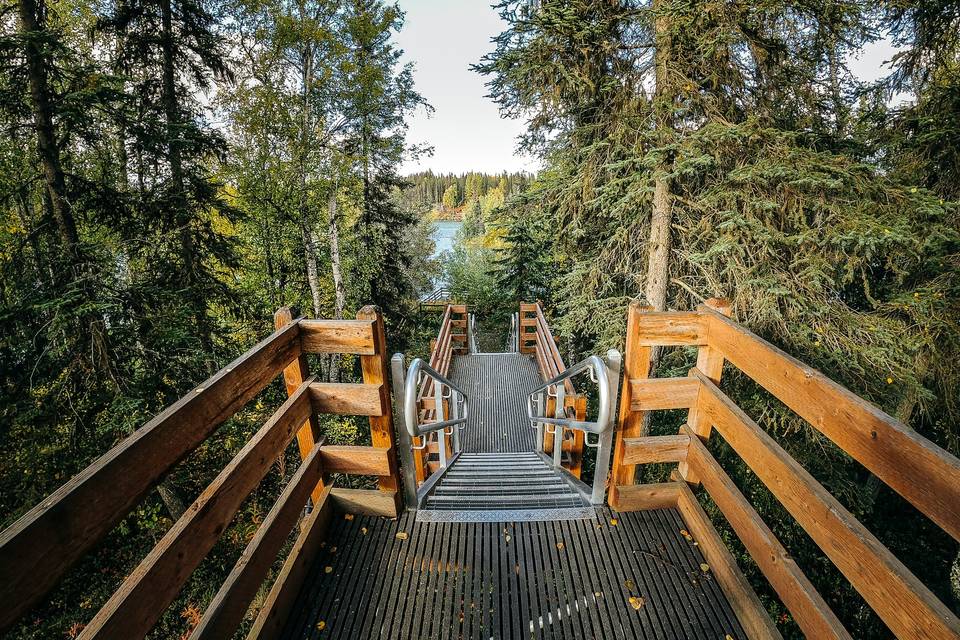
x: 541, y: 344
x: 921, y: 472
x: 41, y: 546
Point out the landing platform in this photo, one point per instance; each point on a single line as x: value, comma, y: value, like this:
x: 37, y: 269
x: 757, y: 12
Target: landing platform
x: 565, y: 579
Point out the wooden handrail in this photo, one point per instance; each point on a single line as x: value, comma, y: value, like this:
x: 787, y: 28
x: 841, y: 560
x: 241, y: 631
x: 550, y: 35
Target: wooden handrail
x: 37, y: 549
x: 923, y: 473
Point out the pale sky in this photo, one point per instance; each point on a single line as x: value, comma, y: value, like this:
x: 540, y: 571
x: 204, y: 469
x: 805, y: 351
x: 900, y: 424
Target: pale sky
x: 443, y: 38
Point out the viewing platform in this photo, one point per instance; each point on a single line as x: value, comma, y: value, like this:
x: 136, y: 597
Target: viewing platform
x: 501, y: 497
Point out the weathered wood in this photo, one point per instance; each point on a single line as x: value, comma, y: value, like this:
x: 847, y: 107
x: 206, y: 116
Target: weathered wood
x: 347, y: 399
x: 651, y: 449
x: 140, y: 601
x: 225, y: 613
x: 647, y: 394
x: 367, y: 501
x: 636, y: 365
x: 366, y: 461
x: 808, y: 608
x: 665, y: 328
x: 899, y: 598
x: 273, y: 615
x: 640, y: 497
x: 911, y: 465
x: 39, y: 547
x: 710, y: 363
x: 293, y: 377
x: 374, y: 369
x: 337, y: 336
x: 740, y: 595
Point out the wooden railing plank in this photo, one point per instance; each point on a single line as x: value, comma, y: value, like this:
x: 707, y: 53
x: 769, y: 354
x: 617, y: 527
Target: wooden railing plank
x: 743, y: 600
x: 647, y: 394
x: 337, y: 336
x: 225, y: 613
x: 367, y: 461
x: 676, y: 328
x: 140, y: 601
x: 641, y: 497
x: 347, y: 399
x: 653, y: 449
x: 39, y: 547
x: 279, y: 603
x: 809, y: 610
x: 911, y: 465
x: 904, y: 603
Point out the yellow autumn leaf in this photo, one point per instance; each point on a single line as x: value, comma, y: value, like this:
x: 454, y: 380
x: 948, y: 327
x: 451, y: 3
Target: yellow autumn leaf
x: 363, y: 530
x: 636, y: 602
x: 704, y: 567
x: 560, y: 546
x: 323, y: 625
x: 327, y: 569
x: 613, y: 522
x: 402, y: 535
x: 348, y: 516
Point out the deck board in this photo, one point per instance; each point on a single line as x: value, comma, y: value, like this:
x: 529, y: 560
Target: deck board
x: 466, y: 580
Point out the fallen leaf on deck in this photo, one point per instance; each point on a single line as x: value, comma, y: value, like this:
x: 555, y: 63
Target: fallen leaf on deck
x: 560, y: 546
x: 613, y: 522
x: 704, y: 567
x: 728, y: 637
x: 363, y: 530
x: 348, y: 516
x: 402, y: 535
x: 333, y: 549
x: 636, y: 602
x: 327, y: 569
x: 323, y: 625
x: 686, y: 534
x: 629, y: 584
x: 508, y: 538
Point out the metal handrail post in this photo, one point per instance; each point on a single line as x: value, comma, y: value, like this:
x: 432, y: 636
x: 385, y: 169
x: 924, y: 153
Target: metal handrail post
x: 440, y: 414
x: 613, y: 362
x: 407, y: 466
x: 559, y: 412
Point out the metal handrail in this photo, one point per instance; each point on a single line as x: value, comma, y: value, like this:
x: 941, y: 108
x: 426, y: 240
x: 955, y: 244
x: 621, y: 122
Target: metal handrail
x: 412, y: 383
x: 598, y: 373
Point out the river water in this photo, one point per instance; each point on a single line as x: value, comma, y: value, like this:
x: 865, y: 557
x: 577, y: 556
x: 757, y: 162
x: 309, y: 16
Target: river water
x: 444, y: 235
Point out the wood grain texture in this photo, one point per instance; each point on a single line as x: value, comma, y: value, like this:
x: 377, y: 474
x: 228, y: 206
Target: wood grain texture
x: 39, y: 547
x: 653, y: 449
x: 904, y: 603
x: 293, y: 376
x: 375, y: 369
x: 740, y: 594
x: 347, y: 399
x: 273, y: 614
x: 672, y: 328
x: 337, y: 336
x: 911, y: 465
x: 641, y: 497
x: 225, y: 613
x: 367, y: 501
x: 368, y: 461
x: 636, y: 366
x: 140, y: 601
x: 809, y: 610
x: 663, y: 393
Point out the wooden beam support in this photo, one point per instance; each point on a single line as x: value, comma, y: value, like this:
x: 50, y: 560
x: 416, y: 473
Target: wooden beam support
x: 801, y: 598
x: 375, y: 369
x: 347, y: 399
x: 652, y: 449
x: 911, y: 465
x: 337, y: 336
x: 649, y: 394
x: 293, y: 376
x: 39, y: 547
x: 275, y: 611
x: 641, y: 497
x: 636, y: 366
x: 671, y: 328
x: 140, y: 601
x: 744, y: 602
x: 225, y: 613
x: 367, y: 502
x: 904, y: 603
x: 364, y: 461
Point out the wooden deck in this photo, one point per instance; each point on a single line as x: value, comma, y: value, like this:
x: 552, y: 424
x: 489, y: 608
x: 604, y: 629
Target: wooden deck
x: 564, y: 579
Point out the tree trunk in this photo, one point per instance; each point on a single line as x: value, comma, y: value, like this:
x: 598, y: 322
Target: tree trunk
x: 661, y: 216
x: 171, y: 499
x: 310, y: 249
x: 339, y: 292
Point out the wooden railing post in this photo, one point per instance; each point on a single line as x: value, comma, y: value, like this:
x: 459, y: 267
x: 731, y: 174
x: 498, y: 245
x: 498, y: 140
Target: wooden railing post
x: 636, y: 365
x: 710, y: 363
x: 375, y: 372
x: 293, y: 376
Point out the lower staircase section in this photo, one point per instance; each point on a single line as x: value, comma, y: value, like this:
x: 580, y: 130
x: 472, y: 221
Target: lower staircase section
x: 488, y: 487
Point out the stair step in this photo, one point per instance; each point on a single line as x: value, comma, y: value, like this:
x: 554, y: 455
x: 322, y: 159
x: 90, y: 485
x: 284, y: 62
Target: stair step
x: 522, y: 499
x: 468, y: 489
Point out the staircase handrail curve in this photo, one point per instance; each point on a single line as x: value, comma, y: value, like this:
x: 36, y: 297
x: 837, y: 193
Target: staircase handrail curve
x: 598, y: 373
x: 410, y: 393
